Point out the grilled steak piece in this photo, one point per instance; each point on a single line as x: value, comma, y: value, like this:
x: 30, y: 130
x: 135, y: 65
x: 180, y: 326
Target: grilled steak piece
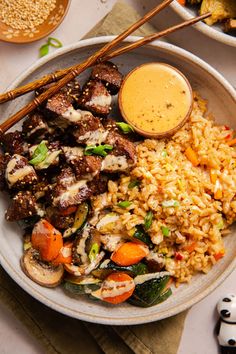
x: 72, y: 154
x: 19, y: 174
x: 22, y: 206
x: 122, y: 146
x: 71, y: 90
x: 57, y: 220
x: 95, y: 98
x: 57, y: 105
x: 87, y: 165
x: 13, y: 143
x: 2, y: 172
x: 89, y: 131
x: 68, y: 191
x: 108, y: 73
x: 35, y: 127
x: 99, y: 184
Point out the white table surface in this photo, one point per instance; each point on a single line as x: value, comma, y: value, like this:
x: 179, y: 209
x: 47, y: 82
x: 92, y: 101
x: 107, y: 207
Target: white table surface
x: 83, y: 15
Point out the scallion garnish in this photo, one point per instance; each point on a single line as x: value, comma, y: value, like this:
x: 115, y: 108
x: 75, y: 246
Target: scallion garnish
x: 124, y: 204
x: 40, y: 154
x: 53, y: 42
x: 148, y: 220
x: 165, y: 231
x: 170, y: 203
x: 133, y: 184
x: 97, y: 150
x: 164, y: 153
x: 126, y: 128
x: 93, y: 252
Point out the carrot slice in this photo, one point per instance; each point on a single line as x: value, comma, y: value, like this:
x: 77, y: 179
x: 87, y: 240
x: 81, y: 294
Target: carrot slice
x: 65, y: 254
x: 117, y: 288
x: 70, y: 210
x: 231, y: 142
x: 47, y: 240
x: 129, y: 253
x: 213, y: 176
x: 182, y: 2
x: 190, y: 247
x: 219, y: 255
x: 191, y: 156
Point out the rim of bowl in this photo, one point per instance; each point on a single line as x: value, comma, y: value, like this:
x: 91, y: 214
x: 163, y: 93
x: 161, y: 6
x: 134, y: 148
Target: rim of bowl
x: 166, y: 133
x: 27, y: 284
x: 209, y: 31
x: 44, y: 34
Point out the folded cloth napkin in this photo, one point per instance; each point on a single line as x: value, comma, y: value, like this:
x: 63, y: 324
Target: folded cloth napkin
x: 60, y: 334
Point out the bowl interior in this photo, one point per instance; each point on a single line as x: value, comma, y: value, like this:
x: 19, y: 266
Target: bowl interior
x: 222, y: 104
x: 216, y: 31
x: 9, y: 34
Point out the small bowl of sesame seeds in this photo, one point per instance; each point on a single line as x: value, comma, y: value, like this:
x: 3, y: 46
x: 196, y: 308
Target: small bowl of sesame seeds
x: 25, y: 21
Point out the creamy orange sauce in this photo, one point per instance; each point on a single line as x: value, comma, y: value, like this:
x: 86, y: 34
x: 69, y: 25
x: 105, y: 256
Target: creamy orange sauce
x: 155, y: 98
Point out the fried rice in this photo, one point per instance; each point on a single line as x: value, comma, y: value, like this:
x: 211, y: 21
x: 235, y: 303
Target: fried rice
x: 195, y: 203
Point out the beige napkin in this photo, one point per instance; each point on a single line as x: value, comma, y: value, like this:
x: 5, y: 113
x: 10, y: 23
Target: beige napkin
x: 60, y: 334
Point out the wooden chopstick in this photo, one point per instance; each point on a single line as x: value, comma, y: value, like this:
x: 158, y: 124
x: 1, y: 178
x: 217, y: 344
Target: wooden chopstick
x: 47, y: 79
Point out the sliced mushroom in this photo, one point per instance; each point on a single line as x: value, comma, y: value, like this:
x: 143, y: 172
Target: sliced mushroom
x: 41, y: 272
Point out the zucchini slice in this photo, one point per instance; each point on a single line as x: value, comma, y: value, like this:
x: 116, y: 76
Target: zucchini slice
x: 108, y: 267
x: 80, y: 219
x: 80, y: 285
x: 151, y: 289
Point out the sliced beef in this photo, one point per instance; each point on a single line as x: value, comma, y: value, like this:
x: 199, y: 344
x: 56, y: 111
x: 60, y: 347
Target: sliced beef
x: 72, y: 154
x: 35, y: 127
x: 2, y: 172
x: 13, y: 143
x: 87, y: 165
x: 68, y: 191
x: 57, y: 105
x: 19, y: 173
x: 22, y: 206
x: 122, y: 146
x: 110, y: 125
x: 108, y: 73
x: 95, y: 98
x: 99, y: 184
x: 52, y: 156
x: 41, y: 188
x: 89, y: 131
x: 57, y: 220
x: 71, y: 90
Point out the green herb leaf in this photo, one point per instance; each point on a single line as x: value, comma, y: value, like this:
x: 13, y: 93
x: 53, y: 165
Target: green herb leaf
x: 93, y: 252
x: 124, y: 204
x: 133, y: 184
x: 126, y: 128
x: 43, y: 50
x: 54, y: 42
x: 165, y: 231
x: 148, y: 220
x: 97, y: 150
x: 220, y: 225
x: 164, y: 153
x: 170, y: 203
x: 39, y: 154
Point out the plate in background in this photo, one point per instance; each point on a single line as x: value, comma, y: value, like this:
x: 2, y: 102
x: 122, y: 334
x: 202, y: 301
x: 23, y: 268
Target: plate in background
x: 222, y: 103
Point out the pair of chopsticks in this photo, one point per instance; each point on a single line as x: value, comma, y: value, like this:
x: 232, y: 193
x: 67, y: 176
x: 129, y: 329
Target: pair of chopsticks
x: 64, y: 76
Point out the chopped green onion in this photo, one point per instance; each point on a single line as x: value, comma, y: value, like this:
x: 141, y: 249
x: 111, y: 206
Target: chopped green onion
x: 43, y: 50
x: 164, y: 153
x: 97, y: 150
x: 126, y: 128
x: 54, y: 42
x: 165, y: 231
x: 93, y: 252
x: 148, y: 220
x: 133, y: 184
x: 124, y: 204
x: 220, y: 225
x: 40, y: 154
x: 170, y: 203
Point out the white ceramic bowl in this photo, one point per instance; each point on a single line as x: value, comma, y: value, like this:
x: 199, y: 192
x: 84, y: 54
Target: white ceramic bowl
x: 216, y: 32
x: 222, y: 102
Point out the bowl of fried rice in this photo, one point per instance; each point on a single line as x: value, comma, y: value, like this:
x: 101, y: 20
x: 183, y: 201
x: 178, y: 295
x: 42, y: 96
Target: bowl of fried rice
x: 185, y: 183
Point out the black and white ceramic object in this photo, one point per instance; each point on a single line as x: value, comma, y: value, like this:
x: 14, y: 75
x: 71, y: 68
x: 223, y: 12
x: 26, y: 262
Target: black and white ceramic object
x: 226, y: 331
